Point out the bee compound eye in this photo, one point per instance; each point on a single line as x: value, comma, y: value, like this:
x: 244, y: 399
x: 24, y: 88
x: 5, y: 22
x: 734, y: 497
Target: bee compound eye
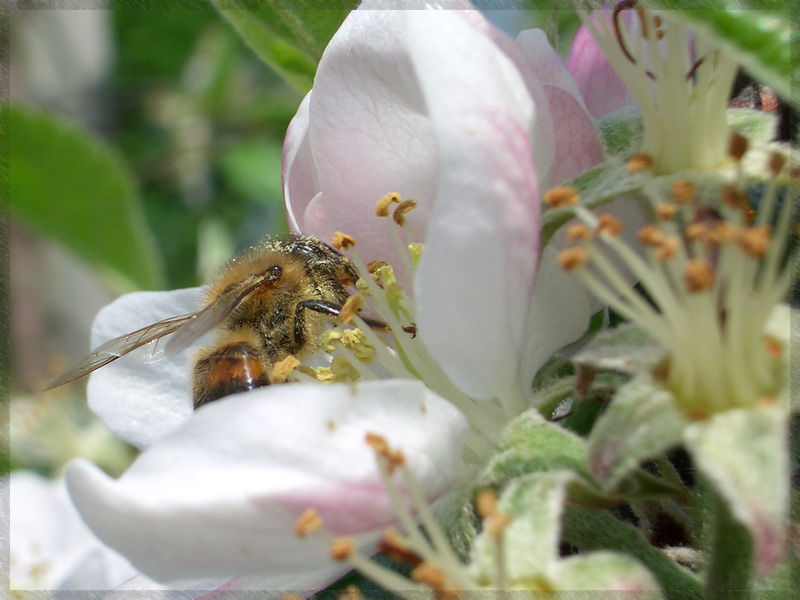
x: 274, y: 273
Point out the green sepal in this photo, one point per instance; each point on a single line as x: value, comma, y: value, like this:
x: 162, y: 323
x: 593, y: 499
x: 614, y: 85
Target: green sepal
x: 744, y: 454
x: 624, y: 349
x: 640, y: 423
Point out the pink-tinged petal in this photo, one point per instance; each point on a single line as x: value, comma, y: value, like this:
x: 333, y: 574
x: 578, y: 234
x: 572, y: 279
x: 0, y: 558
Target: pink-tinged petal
x: 577, y: 143
x: 600, y: 86
x: 137, y: 399
x: 220, y: 495
x: 477, y: 271
x: 542, y: 63
x: 299, y: 173
x: 369, y: 132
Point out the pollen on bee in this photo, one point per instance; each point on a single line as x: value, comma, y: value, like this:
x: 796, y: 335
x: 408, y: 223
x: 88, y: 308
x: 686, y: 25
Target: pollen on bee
x: 342, y: 241
x: 561, y: 197
x: 307, y: 523
x: 342, y: 548
x: 382, y: 208
x: 698, y: 274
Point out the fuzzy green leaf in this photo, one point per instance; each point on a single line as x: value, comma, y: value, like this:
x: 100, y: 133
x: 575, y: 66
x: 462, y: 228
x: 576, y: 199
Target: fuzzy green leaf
x: 744, y: 453
x: 641, y: 422
x: 71, y: 186
x: 625, y: 349
x: 289, y: 37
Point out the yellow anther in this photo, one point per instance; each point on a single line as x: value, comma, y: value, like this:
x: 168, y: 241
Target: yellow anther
x: 640, y: 162
x: 572, y: 258
x: 486, y: 503
x: 698, y: 274
x: 495, y: 525
x: 308, y: 522
x: 737, y: 146
x: 775, y: 163
x: 351, y: 307
x: 342, y: 241
x: 579, y: 231
x: 405, y: 207
x: 682, y: 191
x: 342, y: 370
x: 373, y: 266
x: 734, y: 198
x: 666, y: 210
x: 609, y: 225
x: 755, y: 240
x: 342, y: 548
x: 650, y: 235
x: 721, y: 232
x: 382, y: 208
x: 696, y: 231
x: 561, y: 197
x: 668, y: 248
x: 282, y: 369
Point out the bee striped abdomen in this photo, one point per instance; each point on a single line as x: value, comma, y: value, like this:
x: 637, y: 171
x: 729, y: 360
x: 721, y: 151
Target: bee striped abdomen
x: 226, y: 370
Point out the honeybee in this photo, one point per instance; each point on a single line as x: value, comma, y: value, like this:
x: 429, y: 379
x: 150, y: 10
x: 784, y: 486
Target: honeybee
x: 268, y: 303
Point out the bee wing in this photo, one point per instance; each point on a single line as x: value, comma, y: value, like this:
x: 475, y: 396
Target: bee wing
x: 213, y: 314
x: 120, y: 346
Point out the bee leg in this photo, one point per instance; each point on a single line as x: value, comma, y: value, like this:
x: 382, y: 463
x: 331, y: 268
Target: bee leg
x: 237, y: 365
x: 334, y: 310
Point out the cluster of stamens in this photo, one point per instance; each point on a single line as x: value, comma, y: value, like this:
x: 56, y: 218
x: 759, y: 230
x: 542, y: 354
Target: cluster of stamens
x: 681, y: 84
x: 424, y: 547
x: 377, y: 334
x: 711, y: 274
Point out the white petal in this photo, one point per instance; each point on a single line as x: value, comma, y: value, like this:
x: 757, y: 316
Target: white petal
x: 477, y: 271
x: 370, y: 134
x: 137, y: 400
x: 50, y: 547
x: 299, y: 172
x: 219, y: 496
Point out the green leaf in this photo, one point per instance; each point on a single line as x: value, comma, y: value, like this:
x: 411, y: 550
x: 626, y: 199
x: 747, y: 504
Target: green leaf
x: 73, y: 187
x: 744, y: 453
x: 625, y: 349
x: 756, y: 32
x: 288, y: 36
x: 641, y: 422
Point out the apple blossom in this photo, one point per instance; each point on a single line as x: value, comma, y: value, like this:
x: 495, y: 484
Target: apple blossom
x: 472, y: 126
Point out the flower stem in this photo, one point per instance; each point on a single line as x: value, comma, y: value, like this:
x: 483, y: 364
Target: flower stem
x: 730, y: 553
x: 596, y: 530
